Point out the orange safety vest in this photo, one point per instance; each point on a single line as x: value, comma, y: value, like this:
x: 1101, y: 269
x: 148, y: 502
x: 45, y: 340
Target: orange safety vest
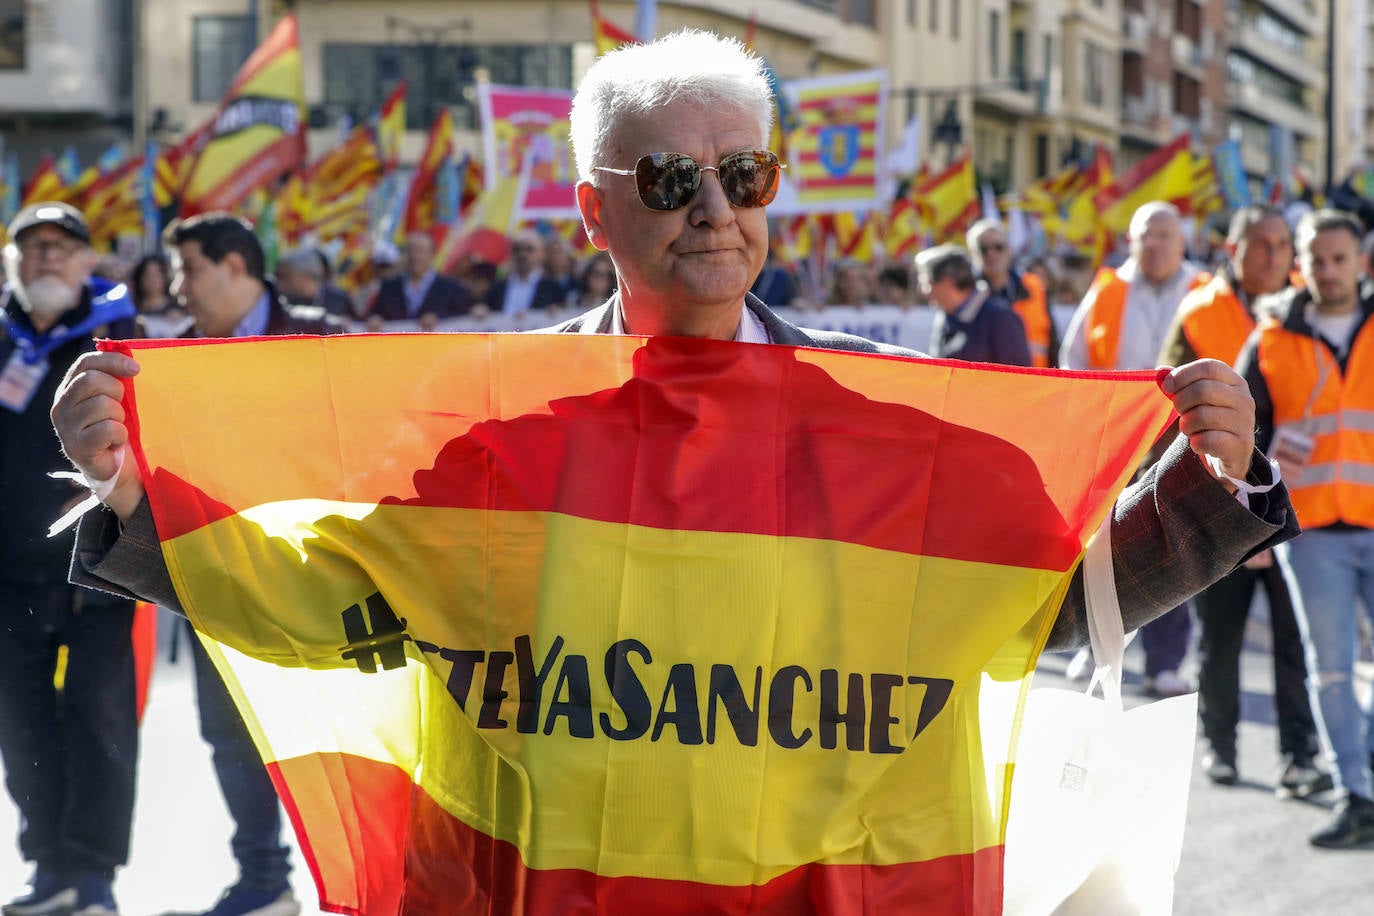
x: 1311, y: 395
x: 1214, y: 321
x: 1104, y: 321
x: 1034, y: 312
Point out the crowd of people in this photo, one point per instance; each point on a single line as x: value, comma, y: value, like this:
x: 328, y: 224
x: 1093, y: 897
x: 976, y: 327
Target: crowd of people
x: 70, y: 751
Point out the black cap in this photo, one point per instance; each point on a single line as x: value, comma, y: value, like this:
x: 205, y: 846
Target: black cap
x: 51, y: 213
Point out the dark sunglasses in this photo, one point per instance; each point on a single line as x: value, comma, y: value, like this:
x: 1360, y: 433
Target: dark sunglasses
x: 668, y: 181
x: 992, y: 246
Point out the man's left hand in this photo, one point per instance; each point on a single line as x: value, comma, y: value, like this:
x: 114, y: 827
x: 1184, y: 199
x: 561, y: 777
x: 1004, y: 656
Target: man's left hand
x: 1215, y: 412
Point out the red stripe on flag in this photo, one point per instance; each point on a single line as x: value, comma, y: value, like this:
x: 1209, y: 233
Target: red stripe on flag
x: 830, y: 101
x: 448, y: 867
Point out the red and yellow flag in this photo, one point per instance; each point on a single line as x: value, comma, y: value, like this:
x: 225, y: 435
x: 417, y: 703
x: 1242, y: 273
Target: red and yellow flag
x: 259, y: 132
x: 948, y: 201
x: 45, y: 184
x: 1166, y: 174
x: 606, y: 34
x: 421, y: 207
x: 391, y: 127
x: 684, y: 625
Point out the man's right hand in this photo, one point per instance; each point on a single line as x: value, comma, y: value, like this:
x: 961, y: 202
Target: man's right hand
x: 88, y: 414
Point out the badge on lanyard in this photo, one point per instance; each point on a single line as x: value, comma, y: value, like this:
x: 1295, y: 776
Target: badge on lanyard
x: 1292, y: 449
x: 20, y: 381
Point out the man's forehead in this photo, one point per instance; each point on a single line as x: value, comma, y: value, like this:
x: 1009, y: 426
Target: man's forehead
x: 45, y: 231
x: 686, y: 127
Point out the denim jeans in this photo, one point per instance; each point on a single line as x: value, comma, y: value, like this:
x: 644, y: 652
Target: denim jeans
x: 1330, y: 572
x: 248, y: 793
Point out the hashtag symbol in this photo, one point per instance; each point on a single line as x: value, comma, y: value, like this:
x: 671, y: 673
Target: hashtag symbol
x: 384, y: 644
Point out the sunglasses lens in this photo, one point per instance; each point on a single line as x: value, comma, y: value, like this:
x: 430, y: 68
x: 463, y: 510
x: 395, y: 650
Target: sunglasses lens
x: 667, y: 180
x: 750, y: 178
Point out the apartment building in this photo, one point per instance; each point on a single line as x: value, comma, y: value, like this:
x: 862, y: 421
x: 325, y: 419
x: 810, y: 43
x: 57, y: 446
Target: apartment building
x: 1276, y: 85
x: 1173, y: 81
x: 65, y: 75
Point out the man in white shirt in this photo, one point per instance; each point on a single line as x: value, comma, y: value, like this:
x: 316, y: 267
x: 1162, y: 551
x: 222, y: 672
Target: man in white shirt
x: 525, y: 287
x: 1121, y: 324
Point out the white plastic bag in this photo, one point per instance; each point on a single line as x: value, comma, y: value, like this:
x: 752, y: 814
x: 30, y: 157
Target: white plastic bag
x: 1099, y: 795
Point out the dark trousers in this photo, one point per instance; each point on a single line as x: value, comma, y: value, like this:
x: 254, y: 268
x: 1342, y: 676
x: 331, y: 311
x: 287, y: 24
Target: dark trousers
x: 248, y: 792
x: 71, y: 755
x: 1165, y: 640
x: 1222, y: 611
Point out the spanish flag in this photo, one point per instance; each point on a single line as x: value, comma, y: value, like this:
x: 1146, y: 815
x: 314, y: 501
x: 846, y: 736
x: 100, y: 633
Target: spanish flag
x: 592, y: 624
x: 1166, y: 174
x: 948, y: 200
x: 606, y: 35
x: 259, y: 132
x: 391, y: 127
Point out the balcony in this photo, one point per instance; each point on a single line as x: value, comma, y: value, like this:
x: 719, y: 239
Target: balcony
x: 1301, y: 13
x: 1136, y: 110
x: 1246, y: 97
x: 1135, y: 32
x: 1187, y: 56
x: 1244, y: 37
x: 1019, y: 97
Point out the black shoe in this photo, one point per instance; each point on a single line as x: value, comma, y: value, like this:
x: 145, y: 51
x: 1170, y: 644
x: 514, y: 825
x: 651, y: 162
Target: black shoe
x: 50, y: 893
x: 1351, y: 826
x: 1220, y: 768
x: 1300, y: 778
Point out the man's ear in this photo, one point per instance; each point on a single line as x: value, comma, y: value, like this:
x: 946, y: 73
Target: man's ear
x: 589, y: 203
x: 236, y: 264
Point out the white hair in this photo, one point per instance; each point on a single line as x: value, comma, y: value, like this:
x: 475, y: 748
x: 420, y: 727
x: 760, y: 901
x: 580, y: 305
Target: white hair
x: 691, y: 64
x: 1140, y: 220
x: 981, y: 228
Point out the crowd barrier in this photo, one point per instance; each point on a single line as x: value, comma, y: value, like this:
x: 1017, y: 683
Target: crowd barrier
x: 890, y: 324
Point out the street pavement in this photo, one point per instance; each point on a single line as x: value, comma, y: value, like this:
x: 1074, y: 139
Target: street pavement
x: 1244, y: 851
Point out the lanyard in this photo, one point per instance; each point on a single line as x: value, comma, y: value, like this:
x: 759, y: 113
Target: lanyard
x: 112, y: 305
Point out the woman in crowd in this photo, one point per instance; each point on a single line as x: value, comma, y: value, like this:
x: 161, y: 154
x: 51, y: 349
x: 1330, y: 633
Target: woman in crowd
x: 595, y: 284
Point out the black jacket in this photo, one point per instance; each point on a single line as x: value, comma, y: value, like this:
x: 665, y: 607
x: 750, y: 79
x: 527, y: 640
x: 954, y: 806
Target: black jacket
x: 445, y: 299
x: 30, y: 500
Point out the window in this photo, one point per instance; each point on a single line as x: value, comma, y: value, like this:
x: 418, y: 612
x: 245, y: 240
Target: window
x: 934, y: 15
x: 1094, y: 92
x: 1042, y: 155
x: 219, y: 46
x: 358, y: 77
x: 1020, y: 69
x: 953, y: 18
x: 995, y: 43
x: 12, y: 20
x: 861, y: 12
x: 911, y: 12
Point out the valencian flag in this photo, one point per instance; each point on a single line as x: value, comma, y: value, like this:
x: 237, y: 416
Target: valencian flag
x: 259, y: 132
x: 684, y: 625
x: 420, y: 213
x: 834, y: 154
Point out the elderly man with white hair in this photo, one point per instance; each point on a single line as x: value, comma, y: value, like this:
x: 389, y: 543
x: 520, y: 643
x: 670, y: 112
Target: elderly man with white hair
x: 1121, y: 324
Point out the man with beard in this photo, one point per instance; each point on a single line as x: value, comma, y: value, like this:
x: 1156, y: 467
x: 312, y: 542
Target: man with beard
x: 68, y: 733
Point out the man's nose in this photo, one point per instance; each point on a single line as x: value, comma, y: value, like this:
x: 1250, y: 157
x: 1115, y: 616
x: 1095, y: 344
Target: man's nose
x: 710, y: 205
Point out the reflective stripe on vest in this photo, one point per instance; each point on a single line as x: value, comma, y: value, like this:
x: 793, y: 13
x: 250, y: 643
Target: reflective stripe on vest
x: 1034, y: 312
x: 1337, y: 482
x: 1215, y: 322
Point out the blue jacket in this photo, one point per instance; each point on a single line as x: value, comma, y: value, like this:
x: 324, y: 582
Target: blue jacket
x: 982, y: 330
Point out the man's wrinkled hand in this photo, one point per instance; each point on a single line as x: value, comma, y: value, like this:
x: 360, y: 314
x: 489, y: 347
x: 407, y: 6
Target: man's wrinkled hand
x: 1215, y: 412
x: 88, y: 414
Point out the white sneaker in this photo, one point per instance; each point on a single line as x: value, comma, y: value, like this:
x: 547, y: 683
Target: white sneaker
x: 1167, y: 684
x: 1080, y: 666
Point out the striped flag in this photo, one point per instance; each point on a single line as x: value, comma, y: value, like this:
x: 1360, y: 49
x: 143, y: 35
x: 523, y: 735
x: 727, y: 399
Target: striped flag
x: 1166, y: 174
x: 606, y: 35
x: 835, y: 153
x: 683, y: 626
x: 948, y: 200
x: 391, y: 127
x: 258, y: 133
x: 421, y: 210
